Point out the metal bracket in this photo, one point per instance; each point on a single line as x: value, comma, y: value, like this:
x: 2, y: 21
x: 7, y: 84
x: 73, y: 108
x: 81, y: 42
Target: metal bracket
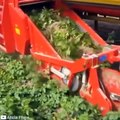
x: 64, y: 73
x: 115, y: 97
x: 94, y: 58
x: 57, y: 72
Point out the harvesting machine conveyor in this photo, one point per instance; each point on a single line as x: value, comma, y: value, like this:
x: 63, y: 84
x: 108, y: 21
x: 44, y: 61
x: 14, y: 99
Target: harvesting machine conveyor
x: 98, y: 86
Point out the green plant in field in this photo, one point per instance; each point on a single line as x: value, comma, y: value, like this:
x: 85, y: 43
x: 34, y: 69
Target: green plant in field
x: 38, y: 98
x: 112, y: 116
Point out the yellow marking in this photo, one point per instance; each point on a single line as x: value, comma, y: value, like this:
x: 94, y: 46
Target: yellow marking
x: 109, y: 2
x: 17, y: 30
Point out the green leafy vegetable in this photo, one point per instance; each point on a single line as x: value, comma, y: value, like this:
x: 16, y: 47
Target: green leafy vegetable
x: 64, y: 34
x: 25, y: 92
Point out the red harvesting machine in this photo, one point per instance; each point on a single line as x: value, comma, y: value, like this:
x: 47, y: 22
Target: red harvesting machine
x: 98, y: 86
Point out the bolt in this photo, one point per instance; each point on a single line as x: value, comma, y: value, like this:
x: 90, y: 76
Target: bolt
x: 102, y: 108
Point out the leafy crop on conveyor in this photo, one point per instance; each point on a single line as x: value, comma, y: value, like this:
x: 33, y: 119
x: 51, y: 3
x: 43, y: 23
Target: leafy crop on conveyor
x: 25, y: 92
x: 64, y: 34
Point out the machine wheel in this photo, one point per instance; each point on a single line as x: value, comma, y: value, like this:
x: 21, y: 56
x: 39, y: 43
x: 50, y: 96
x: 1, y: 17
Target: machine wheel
x: 76, y: 84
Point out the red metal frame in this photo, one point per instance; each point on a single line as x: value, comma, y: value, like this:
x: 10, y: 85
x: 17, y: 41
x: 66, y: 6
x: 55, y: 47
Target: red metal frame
x: 27, y: 2
x: 96, y: 8
x: 21, y: 35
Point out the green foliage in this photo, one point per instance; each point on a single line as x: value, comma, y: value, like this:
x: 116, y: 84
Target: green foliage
x: 44, y: 18
x: 24, y: 91
x: 64, y: 34
x: 112, y: 116
x: 105, y: 65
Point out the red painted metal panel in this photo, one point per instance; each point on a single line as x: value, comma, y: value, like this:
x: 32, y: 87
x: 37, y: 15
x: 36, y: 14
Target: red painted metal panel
x: 31, y: 1
x: 98, y: 9
x: 7, y: 30
x: 111, y: 80
x: 20, y: 29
